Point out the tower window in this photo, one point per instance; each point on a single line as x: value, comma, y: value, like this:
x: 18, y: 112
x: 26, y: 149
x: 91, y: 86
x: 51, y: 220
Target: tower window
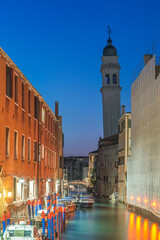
x: 107, y: 79
x: 114, y: 79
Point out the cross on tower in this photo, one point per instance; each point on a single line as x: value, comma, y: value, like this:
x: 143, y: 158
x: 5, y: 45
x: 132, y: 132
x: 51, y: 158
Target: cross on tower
x: 109, y: 31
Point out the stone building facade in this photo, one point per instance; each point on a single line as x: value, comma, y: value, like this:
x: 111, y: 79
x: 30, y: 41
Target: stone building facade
x: 107, y: 166
x: 124, y: 151
x: 74, y: 166
x: 91, y: 173
x: 31, y: 139
x: 143, y: 167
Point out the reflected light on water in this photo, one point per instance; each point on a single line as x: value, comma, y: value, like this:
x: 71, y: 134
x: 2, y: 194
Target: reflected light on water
x: 145, y: 229
x: 154, y: 232
x: 138, y: 228
x: 131, y: 227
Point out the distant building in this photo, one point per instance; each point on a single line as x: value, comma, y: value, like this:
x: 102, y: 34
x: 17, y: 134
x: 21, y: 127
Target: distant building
x: 143, y: 167
x: 124, y: 151
x: 107, y: 166
x: 91, y: 175
x: 74, y: 166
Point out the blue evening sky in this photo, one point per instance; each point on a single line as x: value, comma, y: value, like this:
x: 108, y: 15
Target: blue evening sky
x: 58, y: 45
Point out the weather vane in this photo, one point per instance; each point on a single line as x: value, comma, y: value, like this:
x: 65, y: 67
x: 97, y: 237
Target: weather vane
x: 109, y: 31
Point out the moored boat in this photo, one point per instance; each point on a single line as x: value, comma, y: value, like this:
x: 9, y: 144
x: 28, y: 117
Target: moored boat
x: 86, y: 202
x: 68, y: 203
x: 22, y: 231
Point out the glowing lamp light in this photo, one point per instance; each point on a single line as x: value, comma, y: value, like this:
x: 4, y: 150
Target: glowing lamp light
x: 154, y: 204
x: 0, y: 195
x: 131, y: 197
x: 145, y: 200
x: 138, y: 199
x: 9, y: 194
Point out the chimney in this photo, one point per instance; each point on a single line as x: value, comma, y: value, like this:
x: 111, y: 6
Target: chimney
x: 123, y: 110
x: 147, y: 57
x: 56, y: 109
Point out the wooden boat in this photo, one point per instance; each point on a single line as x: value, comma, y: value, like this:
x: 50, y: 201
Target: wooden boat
x: 68, y: 204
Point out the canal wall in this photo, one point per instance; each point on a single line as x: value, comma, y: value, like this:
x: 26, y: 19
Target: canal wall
x: 146, y: 213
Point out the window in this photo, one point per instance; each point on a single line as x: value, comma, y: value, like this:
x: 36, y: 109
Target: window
x: 45, y: 156
x: 22, y: 95
x: 105, y: 179
x: 32, y: 189
x: 39, y: 152
x: 107, y: 79
x: 48, y: 122
x: 43, y: 115
x: 42, y: 151
x: 29, y: 101
x: 35, y: 107
x: 9, y: 81
x: 23, y: 147
x: 29, y: 149
x: 48, y: 158
x: 129, y: 123
x: 15, y: 144
x: 16, y: 89
x: 114, y: 79
x: 35, y: 151
x: 7, y: 141
x: 46, y: 119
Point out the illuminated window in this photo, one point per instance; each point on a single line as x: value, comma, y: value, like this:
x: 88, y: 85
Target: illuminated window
x: 43, y: 115
x: 42, y: 151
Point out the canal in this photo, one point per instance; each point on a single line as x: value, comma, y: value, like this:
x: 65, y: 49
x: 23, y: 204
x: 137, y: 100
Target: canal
x: 109, y: 221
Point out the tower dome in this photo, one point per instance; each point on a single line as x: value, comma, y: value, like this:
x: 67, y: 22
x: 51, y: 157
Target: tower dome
x: 109, y: 50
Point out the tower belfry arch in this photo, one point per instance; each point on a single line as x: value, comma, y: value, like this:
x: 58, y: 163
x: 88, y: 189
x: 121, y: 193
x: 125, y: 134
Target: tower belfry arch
x: 111, y: 89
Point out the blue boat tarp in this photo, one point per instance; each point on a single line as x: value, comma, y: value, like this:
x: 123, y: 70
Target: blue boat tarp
x: 64, y: 200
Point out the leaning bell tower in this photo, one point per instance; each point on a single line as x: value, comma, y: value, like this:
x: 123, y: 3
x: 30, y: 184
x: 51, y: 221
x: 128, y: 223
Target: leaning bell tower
x: 110, y: 89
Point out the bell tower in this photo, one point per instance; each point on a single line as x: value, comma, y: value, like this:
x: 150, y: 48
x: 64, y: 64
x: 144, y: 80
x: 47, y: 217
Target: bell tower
x: 110, y: 89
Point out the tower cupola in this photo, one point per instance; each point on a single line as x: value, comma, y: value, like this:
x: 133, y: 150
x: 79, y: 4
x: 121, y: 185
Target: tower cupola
x: 109, y: 50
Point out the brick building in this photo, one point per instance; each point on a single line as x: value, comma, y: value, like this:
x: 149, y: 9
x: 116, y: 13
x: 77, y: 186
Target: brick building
x: 31, y: 139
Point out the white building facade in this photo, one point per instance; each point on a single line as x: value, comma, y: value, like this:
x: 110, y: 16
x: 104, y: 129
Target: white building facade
x: 143, y: 167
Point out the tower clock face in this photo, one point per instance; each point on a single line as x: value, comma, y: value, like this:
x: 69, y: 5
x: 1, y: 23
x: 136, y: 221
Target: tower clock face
x: 107, y: 79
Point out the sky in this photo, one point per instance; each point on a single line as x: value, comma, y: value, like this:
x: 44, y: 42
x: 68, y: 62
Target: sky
x: 58, y: 46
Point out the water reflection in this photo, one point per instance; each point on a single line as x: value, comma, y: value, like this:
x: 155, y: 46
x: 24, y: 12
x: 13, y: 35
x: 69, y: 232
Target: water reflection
x: 109, y: 221
x: 142, y: 229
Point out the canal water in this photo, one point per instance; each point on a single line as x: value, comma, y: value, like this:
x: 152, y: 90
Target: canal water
x: 109, y: 221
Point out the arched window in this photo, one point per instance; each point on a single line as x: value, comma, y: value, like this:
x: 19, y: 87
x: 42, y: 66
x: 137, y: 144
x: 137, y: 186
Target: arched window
x: 114, y: 79
x: 107, y: 79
